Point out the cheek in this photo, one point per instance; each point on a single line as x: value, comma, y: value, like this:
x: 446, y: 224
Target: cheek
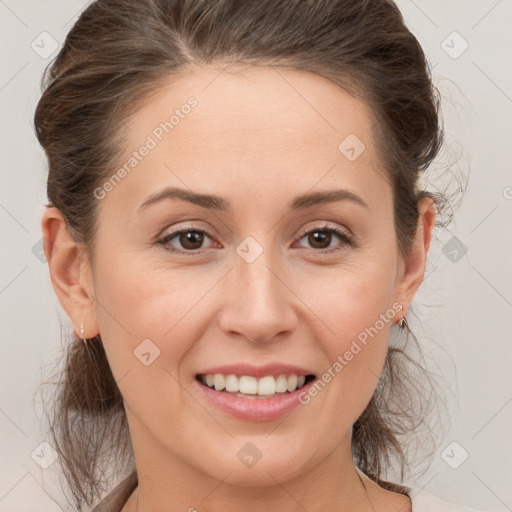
x: 147, y: 330
x: 150, y: 318
x: 356, y: 305
x: 136, y: 313
x: 354, y: 299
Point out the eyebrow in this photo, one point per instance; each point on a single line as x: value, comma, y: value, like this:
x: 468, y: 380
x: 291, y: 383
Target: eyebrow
x: 213, y: 202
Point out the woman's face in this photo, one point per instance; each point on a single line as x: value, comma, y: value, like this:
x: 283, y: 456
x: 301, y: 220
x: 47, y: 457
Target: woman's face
x: 256, y: 286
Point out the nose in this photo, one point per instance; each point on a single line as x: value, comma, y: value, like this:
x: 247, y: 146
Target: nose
x: 259, y: 304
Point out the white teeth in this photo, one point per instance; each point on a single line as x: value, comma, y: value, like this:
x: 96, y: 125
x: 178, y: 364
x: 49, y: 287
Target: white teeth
x: 218, y: 381
x: 232, y: 383
x: 267, y: 386
x: 292, y: 382
x: 247, y: 385
x: 281, y: 384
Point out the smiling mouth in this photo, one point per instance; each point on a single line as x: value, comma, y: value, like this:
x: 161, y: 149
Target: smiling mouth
x: 247, y: 386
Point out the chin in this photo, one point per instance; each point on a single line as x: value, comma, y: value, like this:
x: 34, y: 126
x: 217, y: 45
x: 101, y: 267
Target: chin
x: 251, y: 462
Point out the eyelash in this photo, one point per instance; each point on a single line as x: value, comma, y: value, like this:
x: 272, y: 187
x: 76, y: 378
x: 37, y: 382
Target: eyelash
x: 342, y: 235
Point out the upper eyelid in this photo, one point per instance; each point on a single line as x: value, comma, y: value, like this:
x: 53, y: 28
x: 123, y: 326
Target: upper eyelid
x: 302, y: 232
x: 325, y: 225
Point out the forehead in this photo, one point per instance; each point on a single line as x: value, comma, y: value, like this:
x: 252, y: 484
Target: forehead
x: 210, y: 127
x: 257, y: 99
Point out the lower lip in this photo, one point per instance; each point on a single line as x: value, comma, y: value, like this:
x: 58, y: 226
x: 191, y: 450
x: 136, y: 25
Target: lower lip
x: 254, y: 409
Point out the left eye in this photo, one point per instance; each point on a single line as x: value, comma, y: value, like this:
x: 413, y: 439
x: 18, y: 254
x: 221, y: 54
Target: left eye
x: 321, y: 238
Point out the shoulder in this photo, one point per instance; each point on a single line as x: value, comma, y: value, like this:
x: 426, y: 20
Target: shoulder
x: 423, y: 501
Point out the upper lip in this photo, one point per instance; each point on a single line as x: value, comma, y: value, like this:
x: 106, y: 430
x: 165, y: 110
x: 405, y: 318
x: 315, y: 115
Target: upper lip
x: 257, y: 371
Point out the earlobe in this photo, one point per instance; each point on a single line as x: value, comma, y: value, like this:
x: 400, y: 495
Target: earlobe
x: 70, y: 278
x: 415, y: 262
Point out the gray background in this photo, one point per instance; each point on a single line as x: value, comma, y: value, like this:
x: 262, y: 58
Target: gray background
x: 464, y: 304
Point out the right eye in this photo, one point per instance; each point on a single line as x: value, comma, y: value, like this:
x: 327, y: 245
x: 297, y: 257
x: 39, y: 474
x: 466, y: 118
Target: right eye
x: 190, y: 239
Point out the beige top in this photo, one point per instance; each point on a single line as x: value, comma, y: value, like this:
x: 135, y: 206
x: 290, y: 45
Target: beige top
x: 423, y: 501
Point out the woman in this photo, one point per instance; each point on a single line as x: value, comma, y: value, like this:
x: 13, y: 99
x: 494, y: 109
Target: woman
x: 236, y: 230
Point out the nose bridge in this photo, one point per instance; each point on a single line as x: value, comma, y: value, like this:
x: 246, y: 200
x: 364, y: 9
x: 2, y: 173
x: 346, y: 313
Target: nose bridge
x: 258, y: 305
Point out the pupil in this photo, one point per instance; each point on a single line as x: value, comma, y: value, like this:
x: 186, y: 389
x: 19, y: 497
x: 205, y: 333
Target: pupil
x: 321, y: 237
x: 191, y: 240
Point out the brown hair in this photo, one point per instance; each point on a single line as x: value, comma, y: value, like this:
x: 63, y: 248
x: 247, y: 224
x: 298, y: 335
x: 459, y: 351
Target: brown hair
x: 121, y: 50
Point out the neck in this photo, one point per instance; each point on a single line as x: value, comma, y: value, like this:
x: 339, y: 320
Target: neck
x: 166, y: 482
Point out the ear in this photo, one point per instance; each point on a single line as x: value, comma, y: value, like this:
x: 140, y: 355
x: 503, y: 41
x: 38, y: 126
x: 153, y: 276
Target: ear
x: 70, y: 273
x: 413, y: 267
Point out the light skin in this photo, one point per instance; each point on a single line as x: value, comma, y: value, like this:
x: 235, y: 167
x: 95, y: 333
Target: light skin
x: 258, y: 138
